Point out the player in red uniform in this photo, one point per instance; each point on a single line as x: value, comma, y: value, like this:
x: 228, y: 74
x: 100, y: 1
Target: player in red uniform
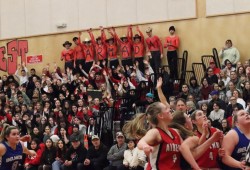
x: 67, y: 55
x: 139, y: 49
x: 154, y: 46
x: 125, y: 43
x: 199, y: 119
x: 160, y: 143
x: 99, y: 44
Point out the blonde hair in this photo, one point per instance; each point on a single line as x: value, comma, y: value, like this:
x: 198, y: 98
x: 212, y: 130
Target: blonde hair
x: 6, y: 131
x: 141, y: 123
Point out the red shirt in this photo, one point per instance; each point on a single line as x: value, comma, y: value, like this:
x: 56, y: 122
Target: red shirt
x: 100, y: 49
x: 174, y: 43
x: 139, y: 48
x: 166, y: 155
x: 88, y: 52
x: 67, y: 55
x: 125, y: 47
x: 78, y: 53
x: 154, y: 44
x: 211, y: 153
x: 112, y: 51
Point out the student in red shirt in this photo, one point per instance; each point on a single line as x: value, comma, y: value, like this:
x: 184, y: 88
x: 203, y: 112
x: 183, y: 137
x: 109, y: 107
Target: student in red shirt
x: 99, y: 44
x: 154, y: 46
x: 212, y: 65
x: 172, y: 45
x: 125, y: 43
x: 78, y: 54
x: 139, y: 49
x: 67, y: 55
x: 88, y: 49
x: 111, y: 50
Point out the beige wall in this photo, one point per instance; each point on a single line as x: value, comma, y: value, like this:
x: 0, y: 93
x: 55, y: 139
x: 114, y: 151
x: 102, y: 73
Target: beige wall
x: 198, y: 36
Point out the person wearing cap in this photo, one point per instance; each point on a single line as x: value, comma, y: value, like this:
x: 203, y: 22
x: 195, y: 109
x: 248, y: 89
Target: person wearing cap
x: 116, y: 152
x: 154, y: 46
x: 212, y: 65
x: 97, y: 155
x: 228, y: 52
x: 75, y: 156
x: 215, y: 98
x: 88, y: 49
x: 67, y: 55
x: 125, y: 43
x: 99, y: 44
x: 79, y: 58
x: 76, y: 132
x: 139, y: 48
x: 172, y: 43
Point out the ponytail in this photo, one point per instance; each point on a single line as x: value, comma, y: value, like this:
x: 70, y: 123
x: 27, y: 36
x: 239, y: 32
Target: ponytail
x: 6, y: 131
x: 137, y: 127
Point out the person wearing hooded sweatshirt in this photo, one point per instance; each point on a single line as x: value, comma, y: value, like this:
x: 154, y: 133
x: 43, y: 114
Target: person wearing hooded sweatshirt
x: 97, y: 155
x: 75, y: 155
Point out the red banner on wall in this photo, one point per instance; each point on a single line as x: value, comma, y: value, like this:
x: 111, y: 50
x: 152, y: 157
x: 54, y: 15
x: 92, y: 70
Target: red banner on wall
x: 34, y: 59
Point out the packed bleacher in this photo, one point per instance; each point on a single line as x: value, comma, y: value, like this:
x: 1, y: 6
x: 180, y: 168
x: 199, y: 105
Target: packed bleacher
x: 75, y: 114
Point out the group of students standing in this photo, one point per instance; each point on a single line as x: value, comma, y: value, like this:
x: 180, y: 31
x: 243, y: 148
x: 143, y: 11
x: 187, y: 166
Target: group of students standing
x: 128, y: 48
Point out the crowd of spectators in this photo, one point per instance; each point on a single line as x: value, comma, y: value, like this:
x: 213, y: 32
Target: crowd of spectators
x: 63, y: 118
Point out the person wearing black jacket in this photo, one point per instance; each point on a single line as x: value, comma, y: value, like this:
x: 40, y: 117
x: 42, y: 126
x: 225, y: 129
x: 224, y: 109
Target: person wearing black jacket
x: 75, y: 155
x: 48, y: 156
x: 215, y: 99
x: 97, y: 155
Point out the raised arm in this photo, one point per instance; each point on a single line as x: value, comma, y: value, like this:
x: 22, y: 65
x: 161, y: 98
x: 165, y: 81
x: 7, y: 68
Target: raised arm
x: 160, y: 92
x: 141, y: 34
x: 103, y: 35
x: 191, y: 144
x: 91, y: 36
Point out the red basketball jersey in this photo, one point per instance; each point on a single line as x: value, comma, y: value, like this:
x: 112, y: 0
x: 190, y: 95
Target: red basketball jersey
x: 209, y: 158
x: 166, y: 154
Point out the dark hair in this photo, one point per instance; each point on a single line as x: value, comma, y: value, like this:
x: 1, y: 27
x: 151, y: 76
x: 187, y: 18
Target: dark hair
x: 172, y: 28
x: 180, y: 99
x: 217, y: 103
x: 196, y: 83
x: 178, y: 123
x: 128, y: 140
x: 75, y: 38
x: 37, y: 141
x: 225, y: 62
x: 6, y: 131
x: 229, y: 41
